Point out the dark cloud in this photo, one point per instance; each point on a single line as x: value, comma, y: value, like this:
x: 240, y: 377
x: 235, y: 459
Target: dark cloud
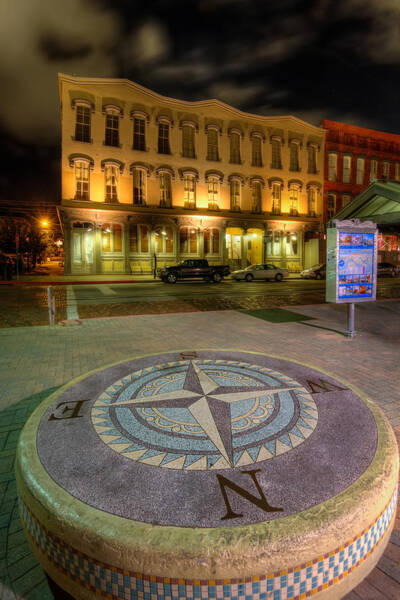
x: 315, y: 59
x: 56, y: 49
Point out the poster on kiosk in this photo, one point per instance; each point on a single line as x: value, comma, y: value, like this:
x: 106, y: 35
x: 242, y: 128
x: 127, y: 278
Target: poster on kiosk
x: 351, y: 268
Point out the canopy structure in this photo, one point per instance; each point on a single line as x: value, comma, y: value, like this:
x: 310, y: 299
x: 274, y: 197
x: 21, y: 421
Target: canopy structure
x: 379, y: 203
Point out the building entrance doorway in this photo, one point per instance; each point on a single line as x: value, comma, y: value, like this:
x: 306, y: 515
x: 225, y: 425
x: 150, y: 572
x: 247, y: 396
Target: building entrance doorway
x: 82, y: 249
x: 253, y: 245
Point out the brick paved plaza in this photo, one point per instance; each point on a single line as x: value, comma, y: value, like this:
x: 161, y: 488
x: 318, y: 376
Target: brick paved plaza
x: 34, y: 361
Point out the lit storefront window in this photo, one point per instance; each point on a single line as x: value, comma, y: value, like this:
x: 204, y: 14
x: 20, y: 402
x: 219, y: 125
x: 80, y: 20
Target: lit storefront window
x: 211, y: 241
x: 188, y: 240
x: 138, y: 238
x: 111, y: 237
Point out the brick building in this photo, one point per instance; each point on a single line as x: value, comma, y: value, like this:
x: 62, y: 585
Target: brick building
x: 354, y: 157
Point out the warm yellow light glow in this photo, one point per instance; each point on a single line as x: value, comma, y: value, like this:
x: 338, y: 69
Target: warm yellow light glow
x: 254, y: 235
x: 44, y: 223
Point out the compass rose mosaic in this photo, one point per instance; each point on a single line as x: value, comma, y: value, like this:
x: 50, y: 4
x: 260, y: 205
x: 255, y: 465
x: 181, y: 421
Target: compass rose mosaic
x: 188, y: 438
x: 204, y: 414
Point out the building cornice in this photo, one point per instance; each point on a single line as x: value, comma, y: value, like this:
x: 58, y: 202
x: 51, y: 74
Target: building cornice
x: 184, y: 104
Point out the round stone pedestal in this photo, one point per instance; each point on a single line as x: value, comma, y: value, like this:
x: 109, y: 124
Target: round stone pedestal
x: 214, y: 475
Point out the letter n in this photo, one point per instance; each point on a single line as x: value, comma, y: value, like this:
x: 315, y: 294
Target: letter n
x: 259, y: 501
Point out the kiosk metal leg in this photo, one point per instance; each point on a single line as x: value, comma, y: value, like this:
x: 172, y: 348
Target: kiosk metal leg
x: 350, y: 320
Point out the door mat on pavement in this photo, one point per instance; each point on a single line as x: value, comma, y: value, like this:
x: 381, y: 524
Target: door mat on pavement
x: 277, y: 315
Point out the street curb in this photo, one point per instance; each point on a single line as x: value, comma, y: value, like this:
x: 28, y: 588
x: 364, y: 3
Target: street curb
x: 64, y: 282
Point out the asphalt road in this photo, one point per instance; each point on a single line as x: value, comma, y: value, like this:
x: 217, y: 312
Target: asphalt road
x: 186, y: 290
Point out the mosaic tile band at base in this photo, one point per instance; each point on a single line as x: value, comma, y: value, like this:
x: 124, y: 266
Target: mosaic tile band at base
x: 292, y: 584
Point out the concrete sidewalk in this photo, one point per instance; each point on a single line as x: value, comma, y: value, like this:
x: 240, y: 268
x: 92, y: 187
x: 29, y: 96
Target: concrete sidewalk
x: 34, y: 361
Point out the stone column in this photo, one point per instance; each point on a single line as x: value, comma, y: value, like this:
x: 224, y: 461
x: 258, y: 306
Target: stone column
x: 243, y: 249
x: 201, y: 242
x: 223, y: 245
x: 283, y: 248
x: 97, y: 249
x: 67, y: 246
x: 126, y: 249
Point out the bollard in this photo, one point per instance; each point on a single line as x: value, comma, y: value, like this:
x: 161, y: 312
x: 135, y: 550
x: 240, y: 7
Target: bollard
x: 51, y: 303
x: 351, y: 332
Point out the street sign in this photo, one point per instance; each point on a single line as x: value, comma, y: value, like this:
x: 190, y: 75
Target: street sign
x: 351, y: 267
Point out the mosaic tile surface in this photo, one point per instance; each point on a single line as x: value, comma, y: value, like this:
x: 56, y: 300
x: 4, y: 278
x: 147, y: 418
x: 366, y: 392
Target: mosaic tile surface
x: 295, y: 583
x: 206, y: 439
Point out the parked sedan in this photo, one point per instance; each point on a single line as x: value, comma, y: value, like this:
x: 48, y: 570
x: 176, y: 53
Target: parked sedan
x: 386, y: 269
x: 260, y: 272
x: 315, y: 272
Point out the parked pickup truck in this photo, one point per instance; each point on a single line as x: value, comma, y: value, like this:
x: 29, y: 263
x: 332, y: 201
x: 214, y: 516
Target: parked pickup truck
x: 194, y: 268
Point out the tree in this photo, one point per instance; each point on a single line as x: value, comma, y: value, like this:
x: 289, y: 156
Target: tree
x: 31, y: 238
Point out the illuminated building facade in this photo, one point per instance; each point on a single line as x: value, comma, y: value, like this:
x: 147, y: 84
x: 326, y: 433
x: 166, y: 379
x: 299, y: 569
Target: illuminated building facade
x: 355, y: 157
x: 149, y: 180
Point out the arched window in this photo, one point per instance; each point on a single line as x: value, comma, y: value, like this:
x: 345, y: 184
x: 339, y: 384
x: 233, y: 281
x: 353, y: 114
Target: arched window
x: 332, y: 166
x: 165, y: 189
x: 189, y: 190
x: 276, y: 197
x: 331, y: 205
x: 211, y: 241
x: 294, y: 156
x: 188, y: 149
x: 113, y: 114
x: 256, y: 196
x: 235, y: 194
x: 139, y: 186
x: 276, y: 162
x: 138, y: 238
x: 83, y: 121
x: 111, y: 237
x: 294, y: 192
x: 235, y: 147
x: 312, y: 158
x: 213, y: 192
x: 188, y: 240
x: 256, y: 151
x: 212, y: 144
x: 163, y: 137
x: 82, y: 179
x: 111, y: 178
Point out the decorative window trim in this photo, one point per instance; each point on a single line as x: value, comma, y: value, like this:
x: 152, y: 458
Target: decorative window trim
x: 276, y: 138
x: 140, y: 165
x: 189, y: 123
x: 188, y: 171
x: 214, y: 173
x: 256, y: 179
x: 235, y: 130
x: 164, y: 119
x: 258, y: 134
x: 317, y: 185
x: 139, y: 114
x: 295, y: 183
x: 333, y: 152
x: 110, y: 107
x: 82, y: 102
x: 296, y: 141
x: 82, y: 158
x: 236, y: 177
x: 272, y: 180
x: 114, y: 162
x: 350, y: 154
x: 214, y: 127
x: 314, y: 145
x: 165, y: 169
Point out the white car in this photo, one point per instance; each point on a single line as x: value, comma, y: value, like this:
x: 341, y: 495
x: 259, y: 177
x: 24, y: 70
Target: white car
x: 267, y: 271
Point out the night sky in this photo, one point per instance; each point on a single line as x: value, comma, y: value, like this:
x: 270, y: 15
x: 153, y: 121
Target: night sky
x: 335, y: 59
